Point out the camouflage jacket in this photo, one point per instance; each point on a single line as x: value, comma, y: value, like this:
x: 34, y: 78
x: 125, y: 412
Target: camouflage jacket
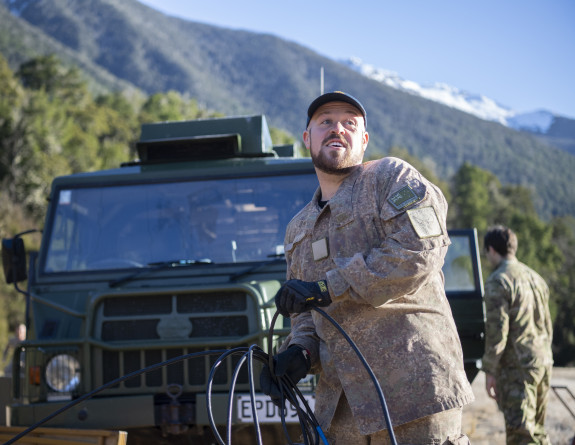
x: 518, y: 327
x: 380, y: 243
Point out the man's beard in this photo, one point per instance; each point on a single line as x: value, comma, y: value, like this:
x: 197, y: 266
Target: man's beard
x: 335, y: 166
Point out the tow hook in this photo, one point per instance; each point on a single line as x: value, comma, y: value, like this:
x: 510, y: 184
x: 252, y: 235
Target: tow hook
x: 172, y: 413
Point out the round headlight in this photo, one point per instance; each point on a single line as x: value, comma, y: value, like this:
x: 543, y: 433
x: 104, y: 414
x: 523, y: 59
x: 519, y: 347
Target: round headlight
x: 63, y: 373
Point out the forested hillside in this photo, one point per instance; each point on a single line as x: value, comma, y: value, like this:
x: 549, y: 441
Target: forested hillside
x: 240, y: 72
x: 20, y: 41
x: 561, y: 134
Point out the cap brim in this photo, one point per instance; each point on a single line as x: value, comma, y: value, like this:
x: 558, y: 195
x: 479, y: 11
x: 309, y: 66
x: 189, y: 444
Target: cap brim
x: 334, y: 97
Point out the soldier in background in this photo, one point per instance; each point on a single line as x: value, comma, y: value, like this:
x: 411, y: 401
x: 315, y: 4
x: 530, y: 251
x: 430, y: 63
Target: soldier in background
x: 369, y: 247
x: 518, y: 358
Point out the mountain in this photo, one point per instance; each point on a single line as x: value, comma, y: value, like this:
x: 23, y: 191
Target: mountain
x: 555, y: 130
x: 549, y: 127
x: 475, y: 104
x: 241, y: 72
x: 20, y: 41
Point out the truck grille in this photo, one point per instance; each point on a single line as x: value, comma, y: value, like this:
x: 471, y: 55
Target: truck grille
x: 209, y: 315
x: 192, y: 374
x: 202, y: 327
x: 218, y: 319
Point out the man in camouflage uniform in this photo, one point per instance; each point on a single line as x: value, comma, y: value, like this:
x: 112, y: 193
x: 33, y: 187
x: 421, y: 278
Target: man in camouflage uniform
x: 518, y: 358
x: 369, y: 247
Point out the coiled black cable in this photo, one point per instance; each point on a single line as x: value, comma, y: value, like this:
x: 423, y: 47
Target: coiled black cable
x: 309, y: 424
x: 370, y: 372
x: 310, y: 428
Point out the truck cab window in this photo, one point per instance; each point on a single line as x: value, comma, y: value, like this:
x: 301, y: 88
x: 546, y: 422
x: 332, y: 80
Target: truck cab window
x: 131, y: 226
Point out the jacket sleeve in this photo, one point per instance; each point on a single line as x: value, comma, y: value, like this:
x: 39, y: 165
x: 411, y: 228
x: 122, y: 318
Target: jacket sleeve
x: 412, y: 246
x: 303, y: 333
x: 497, y: 324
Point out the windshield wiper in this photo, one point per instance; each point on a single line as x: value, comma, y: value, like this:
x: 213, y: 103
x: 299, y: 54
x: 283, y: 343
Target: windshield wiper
x: 176, y: 263
x: 157, y: 266
x: 278, y: 258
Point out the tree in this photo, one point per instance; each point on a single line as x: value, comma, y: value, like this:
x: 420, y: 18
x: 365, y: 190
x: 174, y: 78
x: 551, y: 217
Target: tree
x: 562, y: 292
x: 48, y: 74
x: 11, y: 124
x: 281, y: 137
x: 172, y: 106
x: 118, y: 128
x: 473, y: 191
x: 66, y: 130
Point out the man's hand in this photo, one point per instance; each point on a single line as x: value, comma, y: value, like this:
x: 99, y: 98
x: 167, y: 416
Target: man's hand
x: 296, y: 296
x: 490, y: 386
x: 294, y: 363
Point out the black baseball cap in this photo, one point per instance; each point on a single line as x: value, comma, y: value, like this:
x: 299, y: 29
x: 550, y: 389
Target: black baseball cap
x: 335, y: 96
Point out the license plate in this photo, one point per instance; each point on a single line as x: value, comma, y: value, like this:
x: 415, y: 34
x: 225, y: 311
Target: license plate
x: 267, y: 412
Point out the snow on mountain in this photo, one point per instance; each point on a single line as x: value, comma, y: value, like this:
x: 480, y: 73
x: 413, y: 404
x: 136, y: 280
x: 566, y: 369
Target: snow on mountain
x: 476, y: 104
x: 535, y: 122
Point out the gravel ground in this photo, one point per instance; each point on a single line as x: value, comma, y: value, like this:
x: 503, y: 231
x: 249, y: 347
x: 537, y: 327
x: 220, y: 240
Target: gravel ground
x: 483, y: 422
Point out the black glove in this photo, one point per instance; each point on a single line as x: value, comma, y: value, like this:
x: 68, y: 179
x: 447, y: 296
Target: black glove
x: 294, y: 363
x: 296, y: 296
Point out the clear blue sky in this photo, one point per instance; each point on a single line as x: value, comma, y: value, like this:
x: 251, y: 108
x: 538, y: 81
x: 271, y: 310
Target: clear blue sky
x: 519, y: 52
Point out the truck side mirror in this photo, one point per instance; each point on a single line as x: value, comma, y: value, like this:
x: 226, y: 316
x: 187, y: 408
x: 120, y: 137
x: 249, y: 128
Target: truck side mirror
x: 14, y: 259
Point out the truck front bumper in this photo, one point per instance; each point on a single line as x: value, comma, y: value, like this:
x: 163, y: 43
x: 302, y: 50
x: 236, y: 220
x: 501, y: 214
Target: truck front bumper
x: 101, y: 413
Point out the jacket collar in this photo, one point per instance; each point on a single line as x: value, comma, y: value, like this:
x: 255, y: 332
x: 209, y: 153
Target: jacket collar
x: 341, y: 203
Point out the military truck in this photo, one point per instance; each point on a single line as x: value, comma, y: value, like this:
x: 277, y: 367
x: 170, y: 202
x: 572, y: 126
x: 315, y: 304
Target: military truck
x: 180, y: 251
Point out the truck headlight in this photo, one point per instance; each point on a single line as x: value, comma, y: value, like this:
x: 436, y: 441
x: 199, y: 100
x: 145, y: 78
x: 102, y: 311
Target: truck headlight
x: 63, y: 373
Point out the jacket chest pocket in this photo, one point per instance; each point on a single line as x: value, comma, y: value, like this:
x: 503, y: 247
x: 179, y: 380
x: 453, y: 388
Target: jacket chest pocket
x: 298, y: 253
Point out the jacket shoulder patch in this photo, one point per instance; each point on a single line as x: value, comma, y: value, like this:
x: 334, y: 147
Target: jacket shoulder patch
x: 425, y: 222
x: 404, y: 197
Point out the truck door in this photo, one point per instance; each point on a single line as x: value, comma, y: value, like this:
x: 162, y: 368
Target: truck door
x: 464, y: 289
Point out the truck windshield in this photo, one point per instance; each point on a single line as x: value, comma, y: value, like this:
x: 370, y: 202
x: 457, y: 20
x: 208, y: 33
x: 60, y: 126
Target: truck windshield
x: 128, y: 226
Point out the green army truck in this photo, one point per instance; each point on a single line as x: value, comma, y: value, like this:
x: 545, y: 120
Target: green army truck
x: 176, y: 253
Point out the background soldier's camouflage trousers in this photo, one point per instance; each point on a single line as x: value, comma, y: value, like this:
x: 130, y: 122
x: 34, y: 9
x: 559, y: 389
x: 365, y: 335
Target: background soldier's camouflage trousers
x: 522, y: 397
